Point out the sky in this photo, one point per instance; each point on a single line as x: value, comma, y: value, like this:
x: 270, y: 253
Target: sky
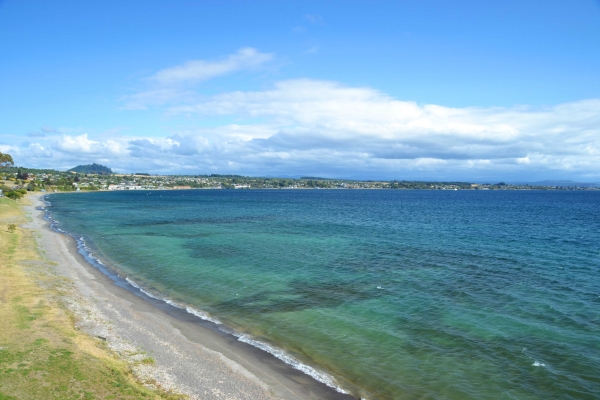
x: 498, y: 90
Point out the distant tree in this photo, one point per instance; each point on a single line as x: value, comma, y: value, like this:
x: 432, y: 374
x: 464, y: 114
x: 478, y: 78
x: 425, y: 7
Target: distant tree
x: 76, y: 178
x: 22, y: 175
x: 6, y: 160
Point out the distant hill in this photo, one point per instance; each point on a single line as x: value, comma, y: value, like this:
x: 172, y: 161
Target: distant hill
x: 96, y: 169
x: 316, y: 178
x: 564, y: 183
x: 567, y: 183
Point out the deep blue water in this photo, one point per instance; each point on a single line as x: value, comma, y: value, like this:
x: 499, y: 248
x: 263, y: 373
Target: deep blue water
x: 396, y: 294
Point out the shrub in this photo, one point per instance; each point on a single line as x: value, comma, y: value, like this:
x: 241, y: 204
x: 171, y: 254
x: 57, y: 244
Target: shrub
x: 14, y: 194
x: 12, y: 227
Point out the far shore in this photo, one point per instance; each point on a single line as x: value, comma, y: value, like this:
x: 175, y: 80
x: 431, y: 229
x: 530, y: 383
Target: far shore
x: 191, y: 356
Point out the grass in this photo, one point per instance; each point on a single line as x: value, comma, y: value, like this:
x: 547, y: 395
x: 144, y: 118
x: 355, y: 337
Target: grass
x: 42, y: 355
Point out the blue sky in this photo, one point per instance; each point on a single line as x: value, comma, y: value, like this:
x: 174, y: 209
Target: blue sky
x: 470, y: 90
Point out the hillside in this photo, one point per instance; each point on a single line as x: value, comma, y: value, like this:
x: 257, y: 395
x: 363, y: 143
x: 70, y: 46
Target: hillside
x: 92, y: 169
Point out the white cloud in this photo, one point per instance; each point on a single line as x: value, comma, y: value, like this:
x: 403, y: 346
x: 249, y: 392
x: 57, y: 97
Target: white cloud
x: 328, y: 109
x: 202, y: 70
x: 38, y: 151
x: 77, y: 144
x: 310, y: 127
x: 82, y: 145
x: 314, y: 115
x: 173, y: 84
x: 155, y: 97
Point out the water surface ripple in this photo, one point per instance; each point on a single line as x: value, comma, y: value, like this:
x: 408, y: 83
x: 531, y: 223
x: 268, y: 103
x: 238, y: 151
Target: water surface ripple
x: 397, y: 294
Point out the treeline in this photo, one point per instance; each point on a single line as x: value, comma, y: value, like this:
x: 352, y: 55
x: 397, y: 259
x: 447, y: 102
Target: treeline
x: 428, y: 185
x: 35, y: 171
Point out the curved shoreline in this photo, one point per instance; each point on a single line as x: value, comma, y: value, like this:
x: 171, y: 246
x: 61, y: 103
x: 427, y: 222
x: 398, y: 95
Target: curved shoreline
x: 249, y: 359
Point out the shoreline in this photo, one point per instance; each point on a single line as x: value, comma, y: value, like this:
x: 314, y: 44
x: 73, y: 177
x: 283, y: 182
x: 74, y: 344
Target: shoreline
x: 193, y: 356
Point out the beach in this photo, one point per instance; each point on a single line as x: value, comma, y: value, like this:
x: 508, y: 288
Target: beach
x: 188, y: 355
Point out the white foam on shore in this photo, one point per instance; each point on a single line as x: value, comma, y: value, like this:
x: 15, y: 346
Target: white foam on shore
x: 280, y: 354
x: 286, y: 358
x: 138, y: 287
x: 147, y: 293
x: 172, y: 303
x: 202, y: 315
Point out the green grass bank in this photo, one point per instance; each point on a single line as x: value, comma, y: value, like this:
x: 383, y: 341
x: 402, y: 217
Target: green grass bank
x: 42, y: 354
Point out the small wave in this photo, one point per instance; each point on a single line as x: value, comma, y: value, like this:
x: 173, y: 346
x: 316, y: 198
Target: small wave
x: 538, y: 364
x: 280, y: 354
x: 132, y: 283
x: 138, y: 287
x: 202, y: 315
x: 286, y: 358
x: 172, y: 303
x: 141, y: 289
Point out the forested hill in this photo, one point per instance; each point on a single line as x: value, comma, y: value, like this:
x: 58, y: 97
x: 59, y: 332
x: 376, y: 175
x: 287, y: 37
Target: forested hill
x: 92, y: 169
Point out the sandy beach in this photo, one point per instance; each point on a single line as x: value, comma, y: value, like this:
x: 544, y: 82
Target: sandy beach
x: 189, y: 356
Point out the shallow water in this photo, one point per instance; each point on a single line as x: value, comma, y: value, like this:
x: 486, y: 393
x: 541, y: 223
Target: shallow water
x: 396, y: 294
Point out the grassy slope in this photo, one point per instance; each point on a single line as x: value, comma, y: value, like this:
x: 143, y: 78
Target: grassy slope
x: 42, y: 355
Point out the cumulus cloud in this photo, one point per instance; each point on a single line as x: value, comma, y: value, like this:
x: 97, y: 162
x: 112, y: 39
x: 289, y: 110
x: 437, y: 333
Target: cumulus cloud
x: 311, y: 127
x: 82, y: 145
x: 37, y: 150
x: 318, y: 114
x: 321, y: 115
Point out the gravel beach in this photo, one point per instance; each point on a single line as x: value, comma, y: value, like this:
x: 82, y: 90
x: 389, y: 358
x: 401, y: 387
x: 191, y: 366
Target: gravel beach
x: 183, y: 355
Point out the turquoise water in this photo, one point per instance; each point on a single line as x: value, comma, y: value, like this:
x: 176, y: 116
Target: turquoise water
x: 395, y: 294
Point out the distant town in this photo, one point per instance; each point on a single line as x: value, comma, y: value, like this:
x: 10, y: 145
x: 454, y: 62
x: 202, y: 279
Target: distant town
x: 95, y: 177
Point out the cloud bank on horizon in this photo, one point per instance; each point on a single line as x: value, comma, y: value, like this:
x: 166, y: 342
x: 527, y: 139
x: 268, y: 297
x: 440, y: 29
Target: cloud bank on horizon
x: 308, y: 126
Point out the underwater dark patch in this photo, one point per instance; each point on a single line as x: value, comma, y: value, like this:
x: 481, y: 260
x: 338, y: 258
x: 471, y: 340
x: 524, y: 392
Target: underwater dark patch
x: 303, y: 295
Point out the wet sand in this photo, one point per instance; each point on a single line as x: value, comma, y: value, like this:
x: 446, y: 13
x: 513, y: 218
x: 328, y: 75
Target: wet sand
x: 191, y: 355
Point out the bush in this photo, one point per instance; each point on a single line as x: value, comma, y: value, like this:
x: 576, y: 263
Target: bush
x: 12, y: 227
x: 14, y: 194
